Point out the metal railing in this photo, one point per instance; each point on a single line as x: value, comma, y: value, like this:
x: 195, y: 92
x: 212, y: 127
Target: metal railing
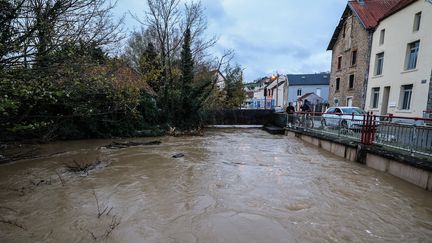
x: 413, y: 134
x: 260, y: 103
x: 410, y: 134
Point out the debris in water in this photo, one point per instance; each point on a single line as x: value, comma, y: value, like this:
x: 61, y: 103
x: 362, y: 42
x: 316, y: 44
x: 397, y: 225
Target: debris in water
x: 120, y: 145
x: 83, y: 166
x: 179, y: 155
x: 12, y: 222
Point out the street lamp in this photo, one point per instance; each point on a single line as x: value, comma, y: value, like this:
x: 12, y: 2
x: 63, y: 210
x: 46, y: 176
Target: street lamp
x: 273, y: 78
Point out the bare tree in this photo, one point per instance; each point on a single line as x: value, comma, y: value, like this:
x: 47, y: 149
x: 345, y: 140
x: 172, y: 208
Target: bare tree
x: 167, y: 20
x: 136, y: 46
x: 35, y: 28
x: 197, y: 22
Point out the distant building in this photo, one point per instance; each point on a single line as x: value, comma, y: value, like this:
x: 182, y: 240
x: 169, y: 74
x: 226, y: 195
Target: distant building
x: 400, y: 77
x: 313, y: 98
x: 350, y: 46
x: 220, y: 79
x: 300, y: 85
x: 276, y: 90
x: 258, y: 94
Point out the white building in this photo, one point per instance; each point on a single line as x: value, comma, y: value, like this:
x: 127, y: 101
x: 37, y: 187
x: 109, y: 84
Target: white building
x: 401, y: 61
x: 220, y: 79
x: 276, y: 91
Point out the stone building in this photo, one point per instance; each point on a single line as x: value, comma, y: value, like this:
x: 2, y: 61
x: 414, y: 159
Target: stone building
x: 351, y: 45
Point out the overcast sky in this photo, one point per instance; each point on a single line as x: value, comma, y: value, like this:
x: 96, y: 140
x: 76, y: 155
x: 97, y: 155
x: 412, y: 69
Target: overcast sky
x: 285, y: 36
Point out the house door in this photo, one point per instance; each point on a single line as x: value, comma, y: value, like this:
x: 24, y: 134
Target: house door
x: 385, y: 102
x: 349, y: 101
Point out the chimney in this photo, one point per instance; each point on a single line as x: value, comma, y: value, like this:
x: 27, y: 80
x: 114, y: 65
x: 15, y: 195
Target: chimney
x: 361, y: 2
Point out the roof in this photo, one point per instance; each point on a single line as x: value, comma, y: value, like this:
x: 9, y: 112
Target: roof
x: 401, y: 5
x: 274, y: 85
x: 369, y: 13
x: 309, y: 94
x: 218, y: 73
x: 304, y: 96
x: 308, y: 79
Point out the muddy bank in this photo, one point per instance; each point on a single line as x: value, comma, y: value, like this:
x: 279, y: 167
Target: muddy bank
x: 230, y: 186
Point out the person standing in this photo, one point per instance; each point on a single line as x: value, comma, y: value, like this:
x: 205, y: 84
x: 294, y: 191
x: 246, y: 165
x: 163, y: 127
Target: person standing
x: 290, y: 110
x: 305, y: 107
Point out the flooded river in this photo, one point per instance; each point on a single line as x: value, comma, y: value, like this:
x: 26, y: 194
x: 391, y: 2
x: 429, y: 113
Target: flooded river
x: 231, y: 186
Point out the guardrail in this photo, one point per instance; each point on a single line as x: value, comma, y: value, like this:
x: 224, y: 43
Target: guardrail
x: 409, y: 134
x: 427, y: 114
x: 261, y: 104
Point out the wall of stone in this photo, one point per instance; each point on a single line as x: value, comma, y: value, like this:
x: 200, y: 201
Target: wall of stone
x: 356, y: 38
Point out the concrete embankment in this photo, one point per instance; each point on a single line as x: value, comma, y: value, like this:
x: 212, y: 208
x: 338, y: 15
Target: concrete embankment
x: 414, y: 169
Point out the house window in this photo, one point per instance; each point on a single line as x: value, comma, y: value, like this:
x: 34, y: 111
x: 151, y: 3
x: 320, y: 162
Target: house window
x: 351, y: 81
x: 412, y: 54
x: 405, y: 97
x: 375, y: 97
x: 344, y: 30
x: 349, y: 101
x: 337, y: 84
x: 379, y: 63
x: 299, y: 92
x: 353, y: 58
x: 417, y: 19
x: 382, y: 36
x: 339, y: 63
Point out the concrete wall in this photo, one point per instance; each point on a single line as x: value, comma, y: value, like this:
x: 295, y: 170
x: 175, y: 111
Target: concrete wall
x: 398, y: 34
x: 416, y: 176
x: 356, y: 38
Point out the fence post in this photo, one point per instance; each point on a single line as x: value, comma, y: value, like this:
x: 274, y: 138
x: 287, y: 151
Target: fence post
x: 413, y: 137
x: 363, y: 128
x: 368, y: 133
x: 373, y: 129
x: 368, y: 120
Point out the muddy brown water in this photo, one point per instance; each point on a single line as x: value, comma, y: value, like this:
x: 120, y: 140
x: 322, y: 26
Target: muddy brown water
x: 231, y: 186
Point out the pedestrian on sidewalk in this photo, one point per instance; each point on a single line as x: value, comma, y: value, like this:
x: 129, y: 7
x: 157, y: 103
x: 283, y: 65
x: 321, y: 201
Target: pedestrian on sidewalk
x: 290, y: 110
x: 306, y: 106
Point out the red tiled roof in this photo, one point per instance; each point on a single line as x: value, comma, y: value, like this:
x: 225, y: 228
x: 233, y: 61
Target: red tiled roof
x: 371, y: 11
x: 401, y: 5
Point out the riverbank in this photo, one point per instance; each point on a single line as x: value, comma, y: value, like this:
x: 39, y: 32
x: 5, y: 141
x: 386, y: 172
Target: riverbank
x: 19, y: 148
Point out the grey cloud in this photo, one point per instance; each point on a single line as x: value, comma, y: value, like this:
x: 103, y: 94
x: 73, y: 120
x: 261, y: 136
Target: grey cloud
x: 214, y: 9
x: 289, y: 36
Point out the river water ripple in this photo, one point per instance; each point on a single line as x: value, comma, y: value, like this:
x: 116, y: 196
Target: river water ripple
x: 231, y: 186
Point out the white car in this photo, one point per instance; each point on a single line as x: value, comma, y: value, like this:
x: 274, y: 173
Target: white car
x: 344, y: 117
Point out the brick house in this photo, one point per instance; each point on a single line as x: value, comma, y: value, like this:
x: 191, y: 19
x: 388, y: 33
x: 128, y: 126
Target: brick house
x: 351, y: 46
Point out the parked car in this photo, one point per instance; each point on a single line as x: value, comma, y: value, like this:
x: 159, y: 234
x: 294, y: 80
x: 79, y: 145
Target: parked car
x: 344, y: 117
